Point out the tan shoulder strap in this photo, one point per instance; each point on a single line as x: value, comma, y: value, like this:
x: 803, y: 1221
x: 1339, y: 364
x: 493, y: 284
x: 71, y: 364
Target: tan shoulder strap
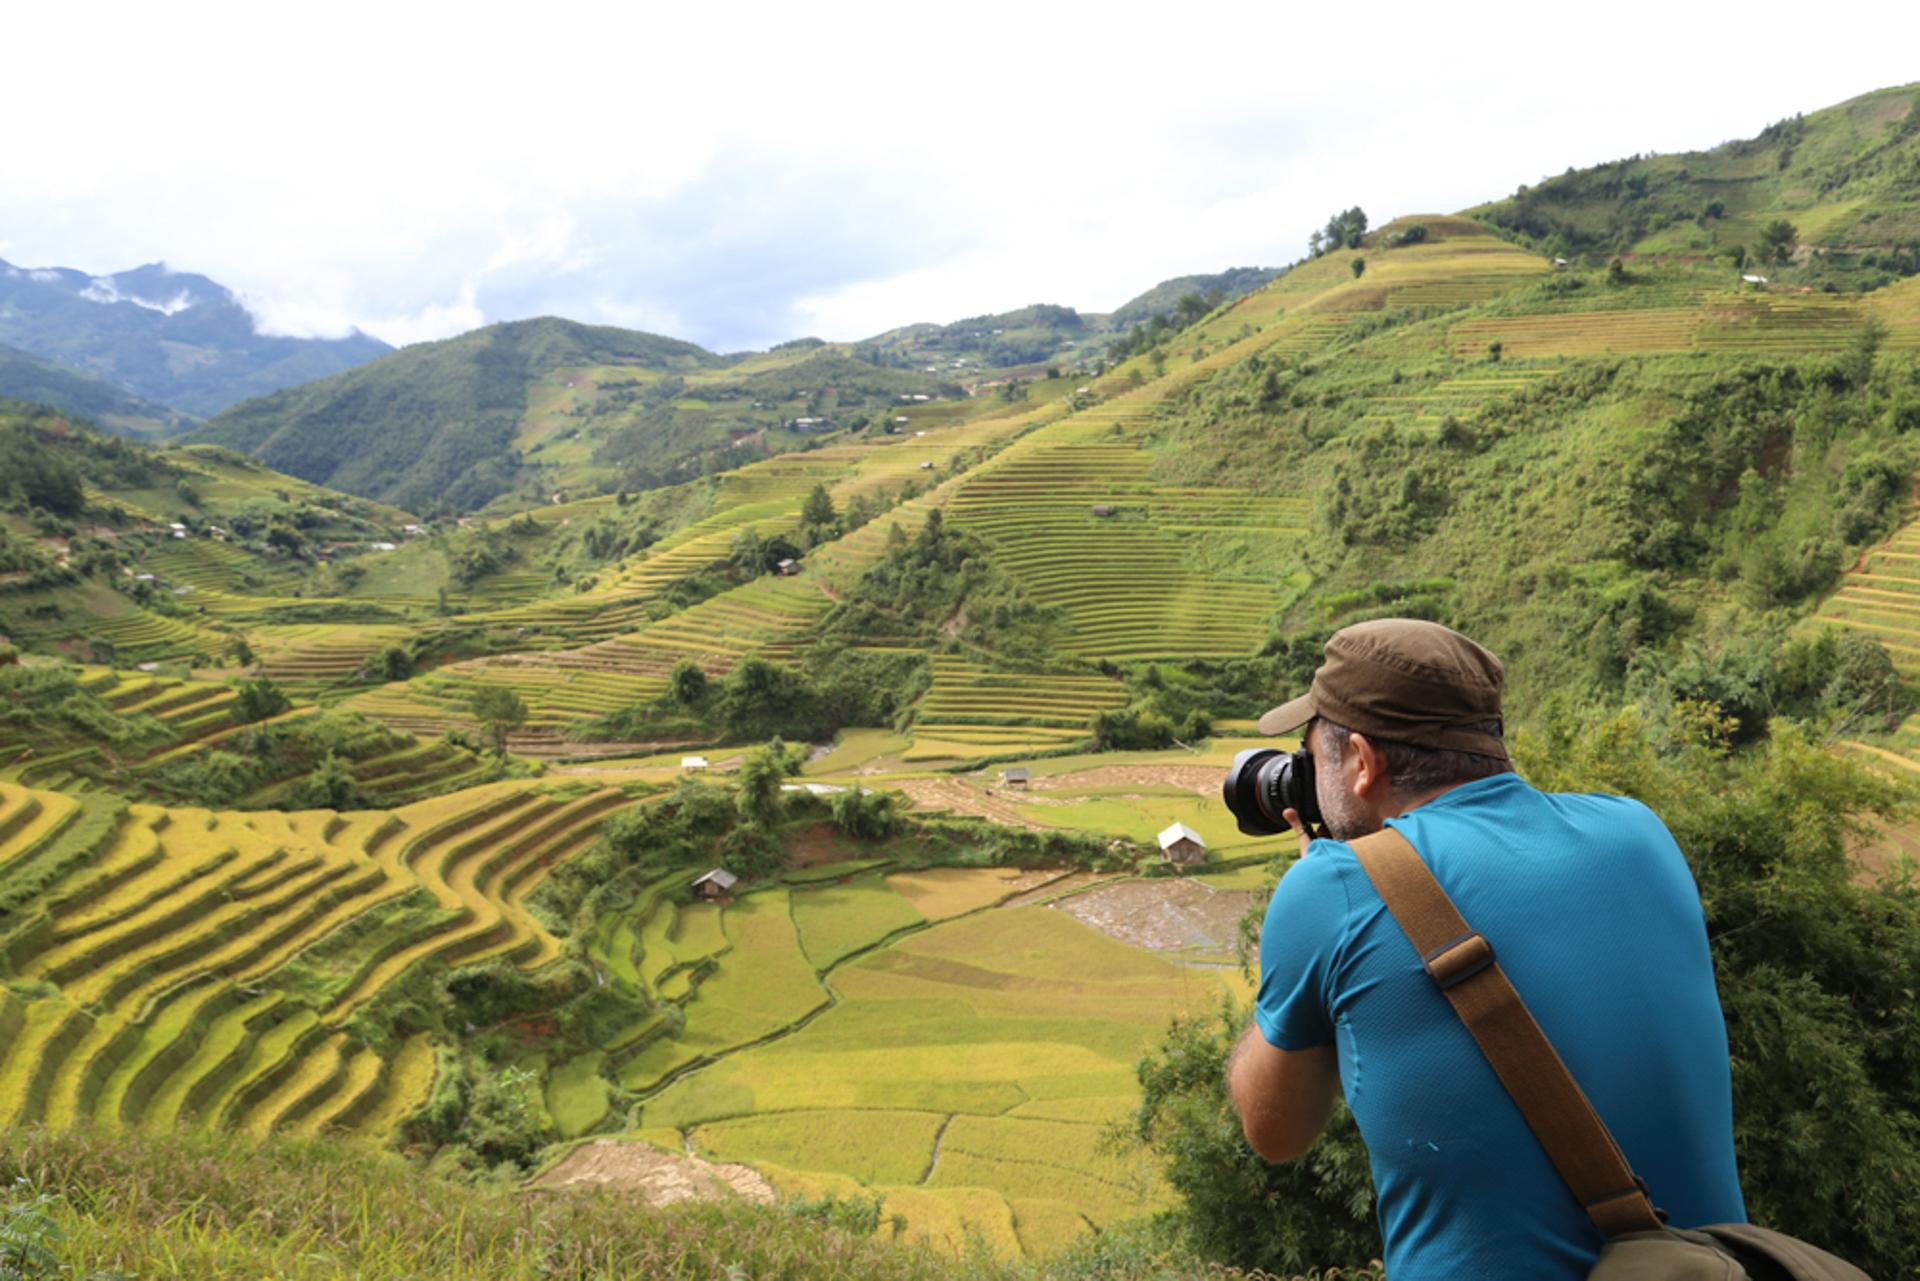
x: 1461, y: 963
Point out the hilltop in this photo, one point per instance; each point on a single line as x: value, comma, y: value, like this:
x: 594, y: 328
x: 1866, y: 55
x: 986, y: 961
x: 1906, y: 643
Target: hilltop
x: 174, y: 338
x: 1834, y: 197
x: 27, y: 377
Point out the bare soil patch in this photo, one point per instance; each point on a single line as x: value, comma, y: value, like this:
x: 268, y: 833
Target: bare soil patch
x: 1203, y: 780
x: 1174, y: 914
x: 963, y: 797
x: 660, y: 1178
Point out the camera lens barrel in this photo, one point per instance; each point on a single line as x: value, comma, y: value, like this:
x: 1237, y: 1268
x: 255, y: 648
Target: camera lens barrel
x: 1263, y: 783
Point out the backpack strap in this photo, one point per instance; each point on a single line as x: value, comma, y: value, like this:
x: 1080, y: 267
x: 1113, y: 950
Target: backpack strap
x: 1462, y: 965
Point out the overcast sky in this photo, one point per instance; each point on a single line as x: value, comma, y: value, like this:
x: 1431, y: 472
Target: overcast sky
x: 743, y: 174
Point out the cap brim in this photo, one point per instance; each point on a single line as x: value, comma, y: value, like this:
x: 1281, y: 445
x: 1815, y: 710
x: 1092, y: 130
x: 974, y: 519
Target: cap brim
x: 1288, y: 716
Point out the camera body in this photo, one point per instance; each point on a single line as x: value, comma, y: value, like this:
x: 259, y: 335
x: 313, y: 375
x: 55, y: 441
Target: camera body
x: 1263, y: 783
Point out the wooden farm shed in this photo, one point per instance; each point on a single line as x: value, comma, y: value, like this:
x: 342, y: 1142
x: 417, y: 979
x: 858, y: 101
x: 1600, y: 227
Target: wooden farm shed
x: 1103, y: 509
x: 693, y: 762
x: 718, y: 883
x: 1181, y: 844
x: 1018, y: 776
x: 788, y: 568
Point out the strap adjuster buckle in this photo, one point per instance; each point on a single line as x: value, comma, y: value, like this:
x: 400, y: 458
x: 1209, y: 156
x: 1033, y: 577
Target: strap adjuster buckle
x: 1458, y: 960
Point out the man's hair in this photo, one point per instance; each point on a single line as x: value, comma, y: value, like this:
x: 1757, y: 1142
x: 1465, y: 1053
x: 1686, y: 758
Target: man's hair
x: 1412, y: 769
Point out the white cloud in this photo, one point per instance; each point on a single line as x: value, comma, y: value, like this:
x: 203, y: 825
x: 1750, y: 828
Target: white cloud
x: 738, y: 175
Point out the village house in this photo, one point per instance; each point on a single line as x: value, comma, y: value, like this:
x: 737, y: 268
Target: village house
x: 1018, y: 776
x: 717, y: 884
x: 1182, y: 845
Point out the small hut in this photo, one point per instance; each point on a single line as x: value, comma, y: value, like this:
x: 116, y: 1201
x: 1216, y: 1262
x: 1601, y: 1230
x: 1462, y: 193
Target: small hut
x: 717, y: 884
x: 693, y: 762
x: 1018, y: 776
x: 788, y: 568
x: 1103, y: 509
x: 1182, y: 845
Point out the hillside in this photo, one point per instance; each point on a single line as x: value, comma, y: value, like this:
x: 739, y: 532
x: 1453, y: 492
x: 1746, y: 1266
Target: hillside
x: 435, y: 421
x: 452, y: 866
x: 174, y: 338
x: 27, y: 377
x: 1844, y: 183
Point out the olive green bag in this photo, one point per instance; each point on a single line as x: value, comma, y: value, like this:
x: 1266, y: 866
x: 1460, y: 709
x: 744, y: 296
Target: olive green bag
x: 1461, y: 963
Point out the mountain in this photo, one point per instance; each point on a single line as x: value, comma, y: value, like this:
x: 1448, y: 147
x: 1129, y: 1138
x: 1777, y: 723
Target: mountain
x: 25, y: 376
x: 434, y: 421
x: 1844, y: 182
x: 1235, y: 282
x: 172, y: 337
x: 1028, y: 338
x: 536, y: 406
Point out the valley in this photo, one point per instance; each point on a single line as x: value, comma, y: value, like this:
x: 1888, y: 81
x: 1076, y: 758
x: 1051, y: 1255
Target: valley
x: 383, y: 806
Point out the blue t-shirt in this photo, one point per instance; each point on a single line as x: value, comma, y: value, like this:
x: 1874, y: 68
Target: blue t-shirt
x: 1596, y: 919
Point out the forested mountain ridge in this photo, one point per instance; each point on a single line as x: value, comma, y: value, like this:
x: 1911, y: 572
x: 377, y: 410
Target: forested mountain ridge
x: 25, y: 376
x: 1834, y: 195
x: 175, y: 338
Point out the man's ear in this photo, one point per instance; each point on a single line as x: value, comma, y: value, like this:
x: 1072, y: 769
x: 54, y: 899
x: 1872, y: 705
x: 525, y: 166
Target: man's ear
x: 1370, y: 767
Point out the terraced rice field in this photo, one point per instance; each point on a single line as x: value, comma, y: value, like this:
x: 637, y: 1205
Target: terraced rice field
x: 966, y: 1073
x: 186, y: 967
x: 972, y: 712
x: 1120, y: 579
x: 1882, y: 596
x: 1760, y: 324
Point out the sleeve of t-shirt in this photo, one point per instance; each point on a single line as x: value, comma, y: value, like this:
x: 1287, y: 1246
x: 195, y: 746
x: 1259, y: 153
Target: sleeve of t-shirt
x: 1298, y: 944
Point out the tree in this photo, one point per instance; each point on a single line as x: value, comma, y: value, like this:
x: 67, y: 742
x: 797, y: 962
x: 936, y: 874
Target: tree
x: 393, y: 663
x: 1359, y: 266
x: 500, y: 710
x: 1777, y: 239
x: 761, y: 773
x: 687, y: 683
x: 258, y: 700
x: 818, y: 511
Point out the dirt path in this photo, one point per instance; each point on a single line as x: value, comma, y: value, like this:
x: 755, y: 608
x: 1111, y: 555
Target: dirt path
x: 661, y: 1178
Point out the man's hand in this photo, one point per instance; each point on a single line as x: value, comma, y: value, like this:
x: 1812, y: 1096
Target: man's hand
x: 1293, y: 820
x: 1284, y: 1097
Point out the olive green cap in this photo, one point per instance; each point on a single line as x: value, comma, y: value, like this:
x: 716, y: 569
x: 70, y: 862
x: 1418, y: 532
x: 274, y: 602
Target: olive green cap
x: 1405, y: 681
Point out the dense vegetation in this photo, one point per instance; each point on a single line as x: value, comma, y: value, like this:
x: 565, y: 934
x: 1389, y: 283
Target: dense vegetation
x: 1857, y: 165
x: 435, y: 420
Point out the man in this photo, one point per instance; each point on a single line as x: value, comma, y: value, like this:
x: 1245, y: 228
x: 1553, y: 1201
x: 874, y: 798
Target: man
x: 1597, y: 922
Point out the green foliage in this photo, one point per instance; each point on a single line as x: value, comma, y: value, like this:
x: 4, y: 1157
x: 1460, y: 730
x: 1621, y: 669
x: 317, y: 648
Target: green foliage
x: 188, y: 1204
x: 393, y: 663
x: 757, y: 794
x: 687, y: 683
x: 433, y: 421
x: 29, y: 1236
x: 257, y: 700
x: 500, y: 710
x: 1237, y: 1208
x: 864, y: 815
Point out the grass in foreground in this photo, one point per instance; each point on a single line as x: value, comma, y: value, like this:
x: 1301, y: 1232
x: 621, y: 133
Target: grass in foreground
x: 127, y: 1205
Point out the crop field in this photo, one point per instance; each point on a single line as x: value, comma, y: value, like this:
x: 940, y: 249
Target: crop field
x: 185, y: 966
x: 763, y: 984
x: 835, y: 921
x: 1001, y: 1039
x: 1120, y: 579
x: 972, y: 712
x: 1765, y: 323
x: 1881, y: 596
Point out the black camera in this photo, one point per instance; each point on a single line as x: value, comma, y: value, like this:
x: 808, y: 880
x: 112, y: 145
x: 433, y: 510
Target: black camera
x: 1263, y: 783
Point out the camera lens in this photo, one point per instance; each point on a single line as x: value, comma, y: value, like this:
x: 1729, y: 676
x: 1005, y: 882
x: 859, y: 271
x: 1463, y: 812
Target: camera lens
x: 1264, y: 783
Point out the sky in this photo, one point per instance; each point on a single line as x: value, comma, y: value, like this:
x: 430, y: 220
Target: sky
x: 740, y: 175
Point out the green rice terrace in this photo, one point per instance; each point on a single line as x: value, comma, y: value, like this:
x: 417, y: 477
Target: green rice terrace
x: 786, y: 826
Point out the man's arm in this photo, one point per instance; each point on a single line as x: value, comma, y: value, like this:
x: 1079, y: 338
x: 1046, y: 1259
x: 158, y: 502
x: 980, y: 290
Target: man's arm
x: 1284, y: 1097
